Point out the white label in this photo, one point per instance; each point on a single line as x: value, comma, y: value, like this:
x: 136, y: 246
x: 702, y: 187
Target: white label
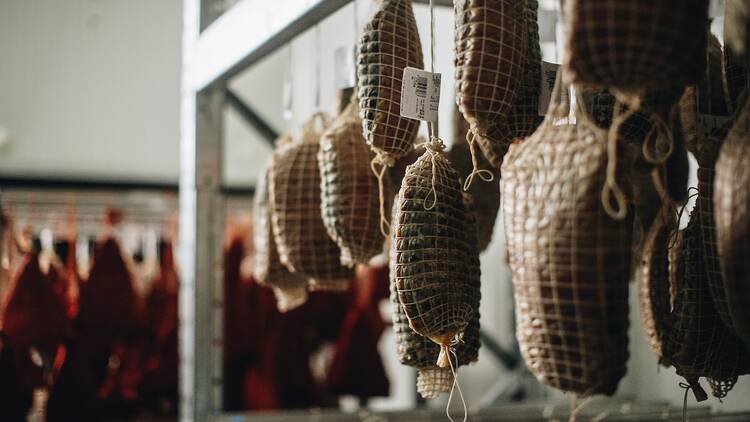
x: 344, y: 67
x: 420, y: 94
x: 708, y: 123
x: 547, y: 84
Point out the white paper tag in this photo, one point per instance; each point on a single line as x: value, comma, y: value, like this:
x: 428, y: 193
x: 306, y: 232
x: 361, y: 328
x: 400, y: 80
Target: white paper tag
x: 344, y: 67
x: 708, y: 123
x: 546, y: 85
x: 420, y: 94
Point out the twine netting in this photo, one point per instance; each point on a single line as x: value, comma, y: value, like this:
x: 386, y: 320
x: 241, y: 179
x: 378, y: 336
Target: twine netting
x: 350, y: 204
x: 490, y: 52
x: 736, y: 76
x: 433, y: 260
x: 389, y: 43
x: 700, y: 344
x: 570, y: 261
x: 485, y: 196
x: 432, y: 382
x: 732, y: 217
x: 653, y: 287
x: 705, y: 215
x: 289, y: 288
x: 302, y: 240
x: 422, y: 353
x: 736, y: 21
x: 713, y: 99
x: 524, y: 117
x: 635, y: 46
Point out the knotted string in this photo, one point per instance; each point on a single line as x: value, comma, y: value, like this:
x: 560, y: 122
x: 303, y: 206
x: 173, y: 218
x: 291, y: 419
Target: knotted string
x: 653, y: 143
x: 456, y: 384
x: 384, y: 162
x: 433, y: 147
x: 611, y: 187
x: 483, y: 174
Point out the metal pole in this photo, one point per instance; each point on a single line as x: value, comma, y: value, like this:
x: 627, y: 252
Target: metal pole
x: 201, y: 232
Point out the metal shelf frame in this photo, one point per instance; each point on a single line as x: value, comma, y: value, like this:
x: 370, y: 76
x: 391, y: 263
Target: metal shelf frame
x: 245, y: 34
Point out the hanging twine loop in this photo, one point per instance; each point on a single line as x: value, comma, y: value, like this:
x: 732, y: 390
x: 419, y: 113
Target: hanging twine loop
x: 451, y: 350
x: 484, y: 174
x: 434, y: 147
x: 384, y: 162
x: 614, y: 200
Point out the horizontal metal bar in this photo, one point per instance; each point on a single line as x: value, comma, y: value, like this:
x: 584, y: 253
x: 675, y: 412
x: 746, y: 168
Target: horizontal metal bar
x: 250, y: 31
x: 20, y: 182
x: 253, y: 29
x: 252, y: 117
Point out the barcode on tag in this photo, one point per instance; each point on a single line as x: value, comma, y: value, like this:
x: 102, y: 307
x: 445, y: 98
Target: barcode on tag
x: 547, y: 84
x: 709, y: 123
x: 420, y: 94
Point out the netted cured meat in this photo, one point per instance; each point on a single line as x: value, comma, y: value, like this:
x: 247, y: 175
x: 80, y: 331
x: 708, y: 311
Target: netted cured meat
x: 294, y: 190
x: 635, y: 46
x: 432, y: 257
x: 290, y: 289
x: 350, y: 204
x: 389, y: 43
x: 570, y: 260
x: 490, y: 53
x: 731, y: 200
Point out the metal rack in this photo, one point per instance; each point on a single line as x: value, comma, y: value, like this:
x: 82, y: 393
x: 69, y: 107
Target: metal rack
x: 231, y: 43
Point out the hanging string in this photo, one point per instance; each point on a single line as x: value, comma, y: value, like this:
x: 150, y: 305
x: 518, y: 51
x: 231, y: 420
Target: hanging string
x: 483, y: 174
x: 432, y: 127
x: 686, y: 387
x: 288, y: 85
x: 385, y: 226
x: 611, y: 186
x: 432, y: 147
x: 456, y: 384
x: 576, y: 409
x: 317, y: 67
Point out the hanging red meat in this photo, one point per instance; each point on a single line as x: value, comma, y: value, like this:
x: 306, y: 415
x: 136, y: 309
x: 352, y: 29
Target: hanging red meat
x: 236, y: 332
x: 15, y: 398
x: 110, y: 308
x: 159, y: 386
x: 34, y: 315
x: 357, y: 357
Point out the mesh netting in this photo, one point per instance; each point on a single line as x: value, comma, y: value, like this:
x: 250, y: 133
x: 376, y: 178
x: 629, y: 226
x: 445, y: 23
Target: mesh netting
x: 485, y: 196
x: 524, y: 118
x: 490, y: 51
x: 736, y: 76
x: 432, y: 382
x: 289, y: 288
x: 422, y: 353
x: 653, y: 288
x: 302, y: 240
x: 712, y: 95
x: 389, y: 43
x: 433, y: 260
x: 349, y: 189
x: 570, y: 260
x: 736, y: 21
x: 700, y: 344
x: 732, y: 217
x: 635, y: 46
x: 705, y: 215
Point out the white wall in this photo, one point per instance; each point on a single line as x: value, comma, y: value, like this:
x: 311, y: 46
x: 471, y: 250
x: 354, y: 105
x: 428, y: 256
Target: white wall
x: 90, y: 87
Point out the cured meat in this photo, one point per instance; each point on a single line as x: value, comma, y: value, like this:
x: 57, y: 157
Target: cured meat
x: 389, y: 43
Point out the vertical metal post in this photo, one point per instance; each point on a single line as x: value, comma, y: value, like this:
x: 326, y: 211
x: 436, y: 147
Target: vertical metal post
x: 201, y: 235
